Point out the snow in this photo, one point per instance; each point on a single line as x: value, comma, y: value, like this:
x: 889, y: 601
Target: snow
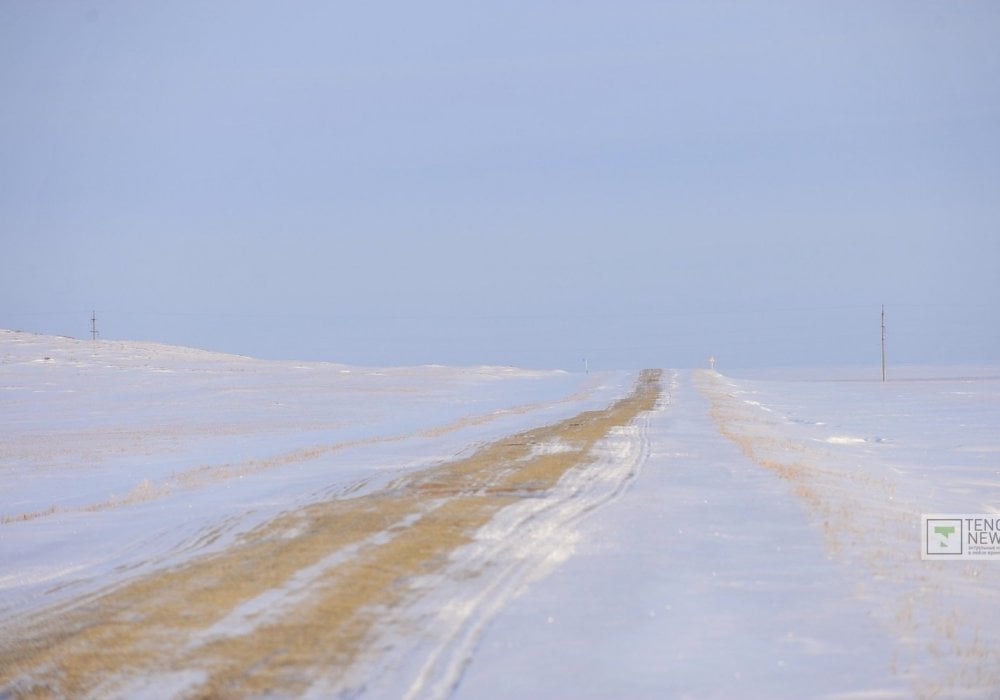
x: 755, y: 535
x: 118, y: 455
x: 519, y: 547
x: 705, y: 580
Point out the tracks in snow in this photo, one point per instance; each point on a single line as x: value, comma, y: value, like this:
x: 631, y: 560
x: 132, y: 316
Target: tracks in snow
x: 520, y: 544
x: 314, y: 600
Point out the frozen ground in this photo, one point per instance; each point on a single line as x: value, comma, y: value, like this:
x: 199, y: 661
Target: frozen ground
x: 114, y: 455
x: 175, y: 521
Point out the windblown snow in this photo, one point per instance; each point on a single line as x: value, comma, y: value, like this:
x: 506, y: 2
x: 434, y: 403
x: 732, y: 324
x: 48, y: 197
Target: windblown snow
x: 180, y: 523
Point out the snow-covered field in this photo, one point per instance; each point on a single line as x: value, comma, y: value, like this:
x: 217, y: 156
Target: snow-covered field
x: 176, y: 522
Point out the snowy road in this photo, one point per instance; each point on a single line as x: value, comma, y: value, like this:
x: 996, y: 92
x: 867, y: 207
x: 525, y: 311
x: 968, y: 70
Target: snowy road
x: 317, y: 530
x: 762, y: 553
x: 706, y: 580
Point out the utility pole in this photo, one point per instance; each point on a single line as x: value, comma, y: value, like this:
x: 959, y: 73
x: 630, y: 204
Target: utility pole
x: 93, y: 325
x: 883, y: 342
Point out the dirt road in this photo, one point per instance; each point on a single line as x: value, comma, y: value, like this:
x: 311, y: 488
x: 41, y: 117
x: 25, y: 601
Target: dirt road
x: 311, y: 599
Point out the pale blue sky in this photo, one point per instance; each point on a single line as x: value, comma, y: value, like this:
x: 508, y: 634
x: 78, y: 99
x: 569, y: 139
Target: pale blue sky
x: 528, y: 183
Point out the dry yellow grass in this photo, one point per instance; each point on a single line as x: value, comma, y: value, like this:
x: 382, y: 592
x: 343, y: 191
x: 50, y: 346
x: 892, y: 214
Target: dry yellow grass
x: 156, y: 624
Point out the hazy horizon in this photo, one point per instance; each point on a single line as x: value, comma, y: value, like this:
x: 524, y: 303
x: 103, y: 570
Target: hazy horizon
x: 640, y: 185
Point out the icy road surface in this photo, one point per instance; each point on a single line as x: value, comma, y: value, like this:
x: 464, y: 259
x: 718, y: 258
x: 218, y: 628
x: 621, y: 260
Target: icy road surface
x: 176, y: 523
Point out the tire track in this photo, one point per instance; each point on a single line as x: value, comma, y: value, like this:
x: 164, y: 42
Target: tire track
x: 521, y: 544
x: 336, y: 572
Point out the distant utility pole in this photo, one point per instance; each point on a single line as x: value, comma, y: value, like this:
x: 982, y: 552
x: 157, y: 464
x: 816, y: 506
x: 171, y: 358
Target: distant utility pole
x: 586, y: 366
x: 93, y: 325
x: 883, y: 342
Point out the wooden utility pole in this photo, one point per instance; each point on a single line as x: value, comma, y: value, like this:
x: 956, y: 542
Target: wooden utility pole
x: 883, y: 342
x: 93, y: 325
